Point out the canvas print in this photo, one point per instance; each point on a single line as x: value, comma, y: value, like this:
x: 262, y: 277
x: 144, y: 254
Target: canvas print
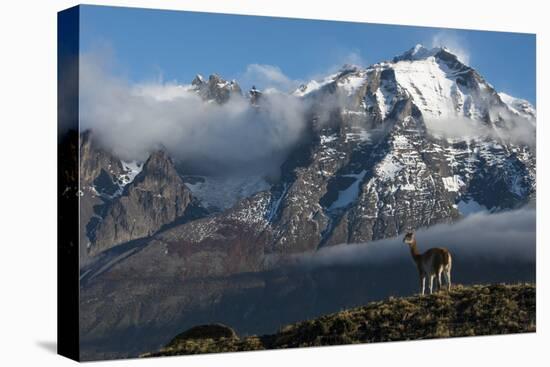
x: 251, y: 183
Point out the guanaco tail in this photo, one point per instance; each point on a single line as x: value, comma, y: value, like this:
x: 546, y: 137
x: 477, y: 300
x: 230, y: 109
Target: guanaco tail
x: 433, y: 263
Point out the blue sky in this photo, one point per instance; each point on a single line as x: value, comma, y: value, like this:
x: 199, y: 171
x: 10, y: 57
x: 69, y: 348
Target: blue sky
x: 148, y: 44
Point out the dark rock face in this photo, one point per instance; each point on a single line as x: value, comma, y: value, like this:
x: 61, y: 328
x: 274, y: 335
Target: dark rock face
x: 355, y: 186
x: 255, y: 95
x: 156, y: 197
x: 99, y: 169
x: 99, y: 180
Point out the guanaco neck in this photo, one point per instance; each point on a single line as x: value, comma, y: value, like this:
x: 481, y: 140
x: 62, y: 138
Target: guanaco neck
x: 414, y: 251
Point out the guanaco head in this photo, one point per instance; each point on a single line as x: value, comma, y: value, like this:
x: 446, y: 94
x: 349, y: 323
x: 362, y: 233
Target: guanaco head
x: 409, y: 238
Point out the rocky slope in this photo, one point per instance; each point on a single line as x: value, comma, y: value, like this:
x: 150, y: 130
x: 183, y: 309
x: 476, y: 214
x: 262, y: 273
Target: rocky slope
x: 465, y: 311
x: 156, y: 197
x: 102, y: 178
x: 377, y: 166
x: 124, y: 201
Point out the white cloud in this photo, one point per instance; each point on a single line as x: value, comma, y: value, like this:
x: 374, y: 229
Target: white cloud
x: 454, y: 43
x: 161, y: 91
x: 354, y: 58
x: 513, y: 128
x: 271, y: 78
x: 502, y: 236
x: 135, y: 119
x: 268, y: 77
x: 348, y: 58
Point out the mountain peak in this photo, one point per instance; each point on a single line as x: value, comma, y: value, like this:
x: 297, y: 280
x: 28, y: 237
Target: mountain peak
x: 348, y: 68
x: 215, y: 88
x: 418, y: 52
x: 215, y: 78
x: 198, y: 80
x: 158, y: 161
x: 254, y: 94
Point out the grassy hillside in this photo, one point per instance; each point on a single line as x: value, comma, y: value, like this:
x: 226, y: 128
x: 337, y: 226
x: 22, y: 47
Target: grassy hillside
x: 465, y: 311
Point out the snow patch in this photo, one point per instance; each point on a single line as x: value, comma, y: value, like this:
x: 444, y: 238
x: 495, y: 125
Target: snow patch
x: 408, y: 187
x: 359, y: 135
x: 428, y: 85
x: 516, y: 186
x: 275, y: 206
x: 350, y: 194
x: 131, y: 170
x: 381, y: 103
x: 452, y: 183
x: 313, y: 86
x: 221, y: 193
x: 351, y: 83
x: 328, y: 138
x: 389, y: 168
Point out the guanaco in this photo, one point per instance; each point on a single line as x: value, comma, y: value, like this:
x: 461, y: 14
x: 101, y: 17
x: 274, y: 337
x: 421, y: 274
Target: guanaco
x: 431, y: 264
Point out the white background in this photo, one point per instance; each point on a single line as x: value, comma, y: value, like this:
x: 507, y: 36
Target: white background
x: 28, y: 182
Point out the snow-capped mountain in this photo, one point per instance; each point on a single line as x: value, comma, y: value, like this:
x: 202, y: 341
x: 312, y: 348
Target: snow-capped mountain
x: 434, y: 79
x: 406, y: 143
x: 411, y: 143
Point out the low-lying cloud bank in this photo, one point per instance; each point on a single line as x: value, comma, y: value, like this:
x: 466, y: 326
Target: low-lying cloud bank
x: 503, y: 237
x: 513, y: 129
